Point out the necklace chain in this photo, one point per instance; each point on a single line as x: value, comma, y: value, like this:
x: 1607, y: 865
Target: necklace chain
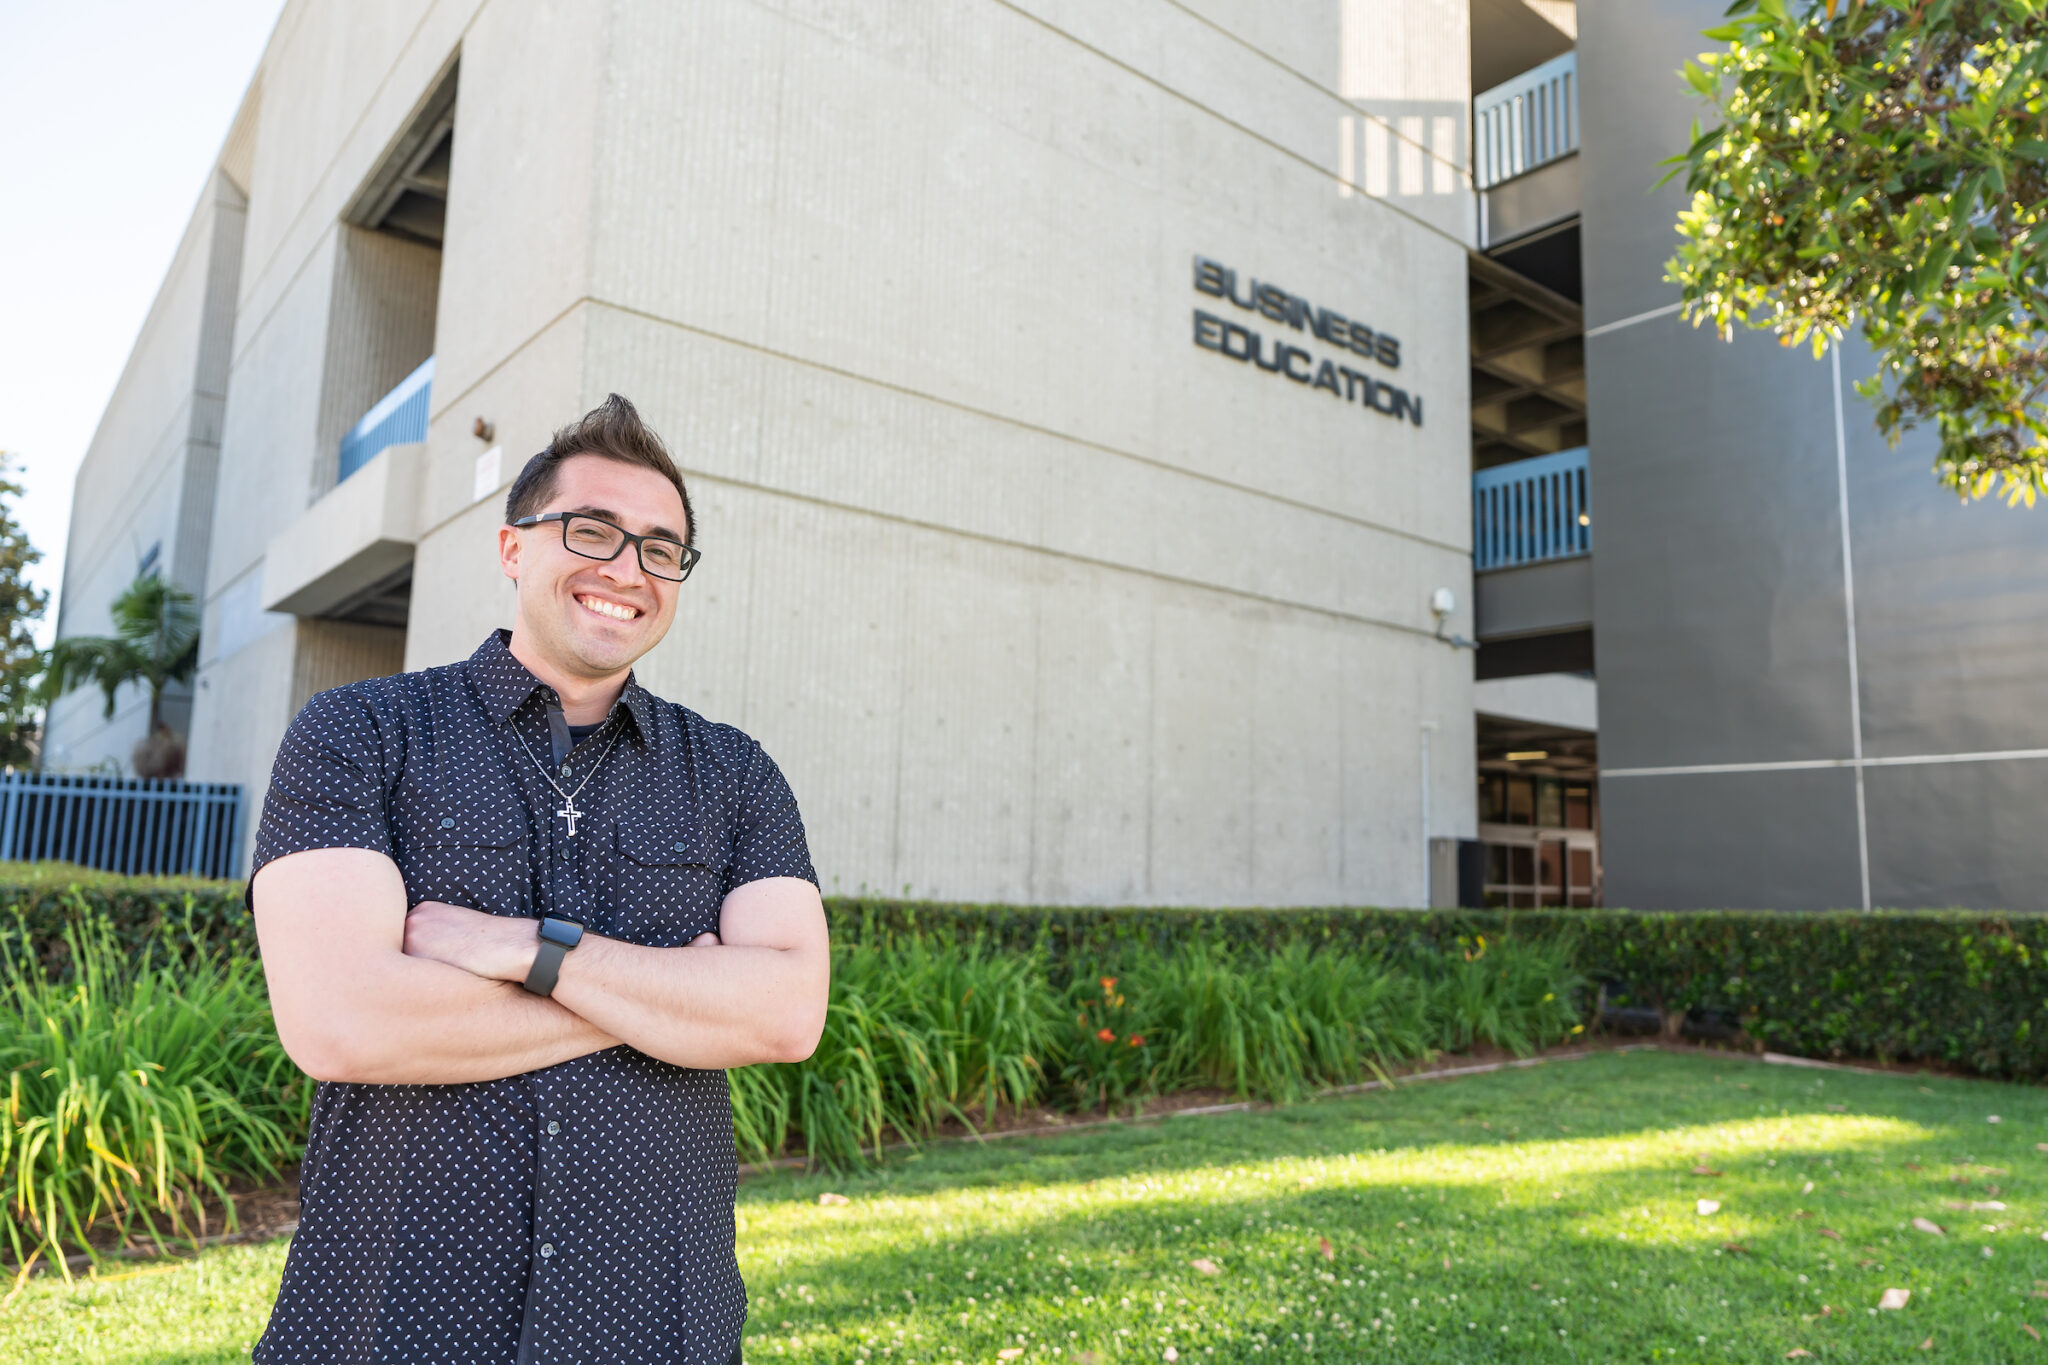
x: 568, y: 811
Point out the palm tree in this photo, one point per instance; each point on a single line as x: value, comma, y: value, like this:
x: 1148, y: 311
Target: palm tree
x: 155, y: 643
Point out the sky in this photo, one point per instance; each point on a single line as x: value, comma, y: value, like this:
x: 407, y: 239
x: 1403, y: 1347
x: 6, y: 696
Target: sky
x: 111, y: 114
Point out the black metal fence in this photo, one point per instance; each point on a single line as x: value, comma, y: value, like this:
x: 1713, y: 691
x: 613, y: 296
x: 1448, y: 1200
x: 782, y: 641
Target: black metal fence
x: 137, y: 826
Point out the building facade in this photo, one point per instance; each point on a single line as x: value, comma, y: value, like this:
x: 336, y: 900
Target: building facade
x: 1145, y: 453
x: 1034, y: 597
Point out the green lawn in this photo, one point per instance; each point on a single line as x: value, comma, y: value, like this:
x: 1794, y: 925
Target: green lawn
x: 1532, y: 1215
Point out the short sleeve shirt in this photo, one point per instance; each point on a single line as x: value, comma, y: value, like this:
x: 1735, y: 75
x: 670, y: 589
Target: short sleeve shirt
x: 582, y: 1212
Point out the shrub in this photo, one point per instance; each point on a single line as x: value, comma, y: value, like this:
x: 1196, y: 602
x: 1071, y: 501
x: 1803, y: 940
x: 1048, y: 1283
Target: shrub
x: 170, y: 916
x: 946, y: 1011
x: 135, y: 1089
x: 921, y: 1031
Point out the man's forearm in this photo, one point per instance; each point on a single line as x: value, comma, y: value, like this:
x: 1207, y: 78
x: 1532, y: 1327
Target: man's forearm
x: 351, y: 1003
x: 425, y: 1023
x: 719, y: 1006
x: 757, y: 996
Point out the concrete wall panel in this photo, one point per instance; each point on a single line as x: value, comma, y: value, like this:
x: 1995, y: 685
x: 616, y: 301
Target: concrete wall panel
x: 147, y: 480
x: 1949, y: 601
x: 955, y: 274
x: 520, y: 192
x: 1734, y: 841
x: 1959, y: 834
x: 1635, y: 110
x: 1718, y: 569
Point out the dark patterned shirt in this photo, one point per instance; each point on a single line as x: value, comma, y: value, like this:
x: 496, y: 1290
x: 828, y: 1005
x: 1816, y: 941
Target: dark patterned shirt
x: 579, y: 1213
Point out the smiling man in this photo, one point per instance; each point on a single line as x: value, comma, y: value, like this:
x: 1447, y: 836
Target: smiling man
x: 517, y: 916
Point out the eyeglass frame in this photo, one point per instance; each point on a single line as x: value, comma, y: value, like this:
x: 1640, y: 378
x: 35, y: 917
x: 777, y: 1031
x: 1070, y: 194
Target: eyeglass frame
x: 691, y: 554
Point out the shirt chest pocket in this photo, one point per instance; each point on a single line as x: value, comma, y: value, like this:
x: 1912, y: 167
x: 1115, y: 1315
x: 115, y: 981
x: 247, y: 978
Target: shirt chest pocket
x: 473, y: 855
x: 668, y: 881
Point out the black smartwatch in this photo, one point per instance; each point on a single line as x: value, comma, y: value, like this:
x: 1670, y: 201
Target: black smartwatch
x: 557, y: 937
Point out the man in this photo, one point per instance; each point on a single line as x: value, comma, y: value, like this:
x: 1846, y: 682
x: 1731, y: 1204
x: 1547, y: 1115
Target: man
x: 517, y: 915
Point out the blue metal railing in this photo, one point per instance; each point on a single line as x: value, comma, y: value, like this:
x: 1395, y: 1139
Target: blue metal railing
x: 137, y: 826
x: 399, y: 416
x: 1526, y: 122
x: 1531, y: 511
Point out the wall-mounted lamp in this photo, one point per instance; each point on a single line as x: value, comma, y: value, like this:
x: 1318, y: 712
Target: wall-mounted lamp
x: 1442, y: 603
x: 483, y: 430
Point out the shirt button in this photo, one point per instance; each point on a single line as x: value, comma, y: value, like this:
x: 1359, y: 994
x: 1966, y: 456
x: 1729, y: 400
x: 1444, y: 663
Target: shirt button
x: 547, y: 1249
x: 447, y: 822
x: 553, y: 1128
x: 680, y: 847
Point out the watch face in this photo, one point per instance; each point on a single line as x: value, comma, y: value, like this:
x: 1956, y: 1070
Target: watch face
x: 568, y: 933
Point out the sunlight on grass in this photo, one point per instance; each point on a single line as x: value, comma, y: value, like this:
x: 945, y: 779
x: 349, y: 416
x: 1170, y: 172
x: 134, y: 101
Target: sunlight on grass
x: 1528, y: 1173
x: 1546, y: 1215
x: 1379, y: 1232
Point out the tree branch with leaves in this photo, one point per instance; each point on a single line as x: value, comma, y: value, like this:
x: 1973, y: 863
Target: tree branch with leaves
x: 1884, y: 164
x: 21, y: 606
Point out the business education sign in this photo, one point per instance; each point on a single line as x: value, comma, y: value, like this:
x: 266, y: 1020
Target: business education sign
x: 1279, y: 355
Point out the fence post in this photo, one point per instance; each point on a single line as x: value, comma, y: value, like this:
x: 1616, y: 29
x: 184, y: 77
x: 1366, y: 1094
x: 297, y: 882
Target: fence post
x: 10, y: 820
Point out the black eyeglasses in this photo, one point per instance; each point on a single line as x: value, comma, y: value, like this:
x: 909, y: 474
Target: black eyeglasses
x: 596, y: 538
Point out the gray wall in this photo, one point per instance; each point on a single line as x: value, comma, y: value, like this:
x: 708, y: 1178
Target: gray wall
x: 148, y: 476
x: 1751, y: 758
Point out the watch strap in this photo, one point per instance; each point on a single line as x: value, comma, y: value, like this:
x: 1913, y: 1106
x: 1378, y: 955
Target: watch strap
x: 547, y: 966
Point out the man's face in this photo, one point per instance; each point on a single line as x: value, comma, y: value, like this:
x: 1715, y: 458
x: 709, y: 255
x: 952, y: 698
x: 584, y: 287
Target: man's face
x: 593, y: 618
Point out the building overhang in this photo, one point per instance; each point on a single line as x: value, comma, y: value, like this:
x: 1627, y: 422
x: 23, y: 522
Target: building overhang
x: 350, y: 550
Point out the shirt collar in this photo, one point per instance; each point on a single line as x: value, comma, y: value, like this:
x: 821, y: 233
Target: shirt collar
x: 505, y: 685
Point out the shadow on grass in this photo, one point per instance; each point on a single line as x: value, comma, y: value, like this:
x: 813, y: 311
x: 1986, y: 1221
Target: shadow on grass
x: 1572, y: 1222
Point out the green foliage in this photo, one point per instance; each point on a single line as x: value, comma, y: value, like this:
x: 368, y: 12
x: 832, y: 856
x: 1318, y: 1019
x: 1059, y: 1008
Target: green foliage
x: 959, y: 1013
x: 21, y: 606
x: 922, y: 1030
x: 1886, y: 162
x: 1112, y: 1057
x: 155, y: 643
x: 174, y: 917
x: 916, y: 1033
x: 1950, y: 987
x: 135, y: 1089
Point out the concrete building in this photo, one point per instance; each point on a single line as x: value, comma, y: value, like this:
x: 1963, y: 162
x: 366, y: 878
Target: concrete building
x: 1111, y: 428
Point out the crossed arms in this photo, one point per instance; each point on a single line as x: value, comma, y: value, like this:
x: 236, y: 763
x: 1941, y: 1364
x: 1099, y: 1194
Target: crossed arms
x: 365, y: 990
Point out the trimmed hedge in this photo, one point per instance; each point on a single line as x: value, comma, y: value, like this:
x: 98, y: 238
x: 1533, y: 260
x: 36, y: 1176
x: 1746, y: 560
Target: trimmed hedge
x: 1966, y: 989
x: 178, y: 914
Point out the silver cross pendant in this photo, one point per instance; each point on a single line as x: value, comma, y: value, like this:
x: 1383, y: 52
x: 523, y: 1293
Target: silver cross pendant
x: 571, y: 814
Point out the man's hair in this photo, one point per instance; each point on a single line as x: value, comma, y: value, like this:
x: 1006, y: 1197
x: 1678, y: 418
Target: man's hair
x: 611, y: 429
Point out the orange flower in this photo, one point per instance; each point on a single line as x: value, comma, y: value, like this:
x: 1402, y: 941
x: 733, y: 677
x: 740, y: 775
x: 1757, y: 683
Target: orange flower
x: 1108, y: 984
x: 1136, y: 1041
x: 1107, y: 1035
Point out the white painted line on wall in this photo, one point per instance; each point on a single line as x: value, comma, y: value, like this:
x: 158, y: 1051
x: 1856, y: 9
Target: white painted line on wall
x: 1620, y: 323
x: 1849, y: 620
x: 1799, y: 764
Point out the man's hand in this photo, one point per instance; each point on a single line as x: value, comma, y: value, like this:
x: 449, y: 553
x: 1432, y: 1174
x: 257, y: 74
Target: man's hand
x: 495, y: 947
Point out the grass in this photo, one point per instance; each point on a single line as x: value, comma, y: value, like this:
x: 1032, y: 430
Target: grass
x: 1546, y: 1214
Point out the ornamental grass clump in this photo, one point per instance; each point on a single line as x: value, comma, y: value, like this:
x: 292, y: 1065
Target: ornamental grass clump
x: 135, y: 1091
x: 916, y: 1033
x: 925, y: 1029
x: 1518, y: 994
x: 1276, y: 1025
